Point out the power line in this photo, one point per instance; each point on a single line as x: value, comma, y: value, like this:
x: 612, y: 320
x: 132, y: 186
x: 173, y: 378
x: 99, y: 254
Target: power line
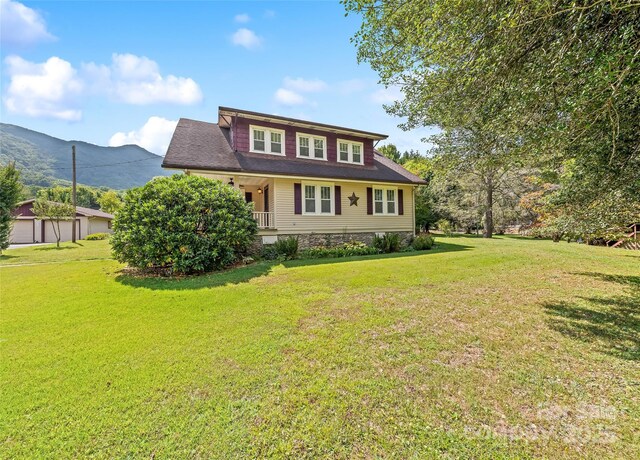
x: 105, y: 165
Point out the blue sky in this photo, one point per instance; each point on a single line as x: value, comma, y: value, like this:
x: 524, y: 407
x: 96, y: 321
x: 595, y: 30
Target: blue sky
x: 124, y: 72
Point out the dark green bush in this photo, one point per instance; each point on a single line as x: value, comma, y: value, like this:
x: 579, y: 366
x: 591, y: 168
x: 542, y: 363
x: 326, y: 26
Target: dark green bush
x: 354, y: 248
x: 422, y: 242
x: 97, y: 236
x: 182, y: 224
x: 269, y: 252
x: 389, y: 242
x: 286, y: 248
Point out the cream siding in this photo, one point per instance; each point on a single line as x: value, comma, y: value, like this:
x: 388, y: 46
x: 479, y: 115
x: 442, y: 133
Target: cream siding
x: 66, y: 229
x: 352, y: 219
x: 98, y: 225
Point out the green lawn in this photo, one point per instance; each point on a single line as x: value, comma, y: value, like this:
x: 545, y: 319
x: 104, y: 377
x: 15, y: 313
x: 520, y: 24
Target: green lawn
x: 485, y: 349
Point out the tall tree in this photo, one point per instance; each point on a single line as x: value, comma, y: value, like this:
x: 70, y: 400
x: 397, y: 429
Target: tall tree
x: 55, y: 213
x: 390, y: 151
x: 481, y: 161
x: 110, y: 202
x: 10, y: 193
x: 85, y: 196
x: 426, y: 200
x: 560, y: 78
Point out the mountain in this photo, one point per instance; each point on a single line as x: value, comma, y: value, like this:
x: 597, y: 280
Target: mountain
x: 43, y: 160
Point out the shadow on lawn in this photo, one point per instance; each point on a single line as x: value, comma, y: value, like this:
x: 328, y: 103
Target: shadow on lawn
x: 61, y: 248
x: 246, y: 273
x: 611, y: 322
x: 208, y: 280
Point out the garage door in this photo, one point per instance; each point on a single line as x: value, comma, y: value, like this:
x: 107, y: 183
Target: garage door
x: 21, y: 231
x: 65, y: 231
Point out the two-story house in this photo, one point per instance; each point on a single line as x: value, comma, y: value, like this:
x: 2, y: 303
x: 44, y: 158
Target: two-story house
x: 323, y: 183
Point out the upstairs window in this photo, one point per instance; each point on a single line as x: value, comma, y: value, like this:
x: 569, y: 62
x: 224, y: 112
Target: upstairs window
x: 350, y: 152
x: 314, y: 147
x: 385, y: 201
x: 267, y: 140
x: 318, y: 199
x: 276, y: 142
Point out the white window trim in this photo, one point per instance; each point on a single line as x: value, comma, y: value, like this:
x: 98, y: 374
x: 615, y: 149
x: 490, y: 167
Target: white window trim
x: 384, y: 201
x: 267, y: 140
x: 311, y: 146
x: 350, y: 144
x: 317, y: 185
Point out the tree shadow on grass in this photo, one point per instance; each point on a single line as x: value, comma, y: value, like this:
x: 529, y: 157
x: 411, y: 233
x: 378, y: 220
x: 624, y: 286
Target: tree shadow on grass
x: 612, y: 323
x: 56, y: 248
x: 7, y: 257
x: 246, y: 273
x: 205, y: 281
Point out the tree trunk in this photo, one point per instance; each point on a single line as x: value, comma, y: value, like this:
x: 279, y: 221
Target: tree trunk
x: 488, y: 213
x: 57, y: 234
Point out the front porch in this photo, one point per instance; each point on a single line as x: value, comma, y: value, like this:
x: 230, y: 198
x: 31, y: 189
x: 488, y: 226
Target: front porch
x: 265, y: 220
x: 257, y: 190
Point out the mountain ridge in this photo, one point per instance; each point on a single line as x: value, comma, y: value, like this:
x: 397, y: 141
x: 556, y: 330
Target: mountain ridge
x: 44, y: 159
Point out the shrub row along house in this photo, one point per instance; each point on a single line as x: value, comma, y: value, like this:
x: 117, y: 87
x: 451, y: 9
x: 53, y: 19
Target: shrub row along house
x: 325, y: 184
x: 27, y: 228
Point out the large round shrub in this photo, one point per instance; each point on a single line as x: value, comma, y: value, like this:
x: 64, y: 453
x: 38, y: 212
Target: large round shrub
x: 182, y: 224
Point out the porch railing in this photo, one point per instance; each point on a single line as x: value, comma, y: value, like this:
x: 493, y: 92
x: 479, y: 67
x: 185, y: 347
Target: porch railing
x: 264, y: 219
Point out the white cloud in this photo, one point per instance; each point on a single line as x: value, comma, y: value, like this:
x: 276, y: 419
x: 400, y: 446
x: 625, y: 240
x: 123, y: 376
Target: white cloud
x: 21, y: 25
x: 351, y: 86
x: 304, y: 86
x: 247, y: 38
x: 387, y: 95
x: 46, y: 90
x: 289, y: 93
x: 154, y: 135
x: 269, y: 14
x: 53, y: 89
x: 137, y: 80
x: 287, y: 97
x: 242, y: 18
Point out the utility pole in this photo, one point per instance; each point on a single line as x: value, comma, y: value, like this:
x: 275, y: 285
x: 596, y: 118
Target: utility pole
x: 73, y: 193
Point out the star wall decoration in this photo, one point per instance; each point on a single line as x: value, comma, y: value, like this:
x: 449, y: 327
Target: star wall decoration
x: 353, y: 199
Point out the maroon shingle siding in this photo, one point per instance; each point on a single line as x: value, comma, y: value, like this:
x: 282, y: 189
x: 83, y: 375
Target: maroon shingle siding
x: 206, y: 146
x: 24, y: 210
x: 243, y: 139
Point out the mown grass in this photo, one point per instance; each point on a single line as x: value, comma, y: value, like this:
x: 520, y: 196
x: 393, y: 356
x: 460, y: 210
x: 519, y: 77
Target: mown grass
x: 485, y: 349
x: 50, y: 253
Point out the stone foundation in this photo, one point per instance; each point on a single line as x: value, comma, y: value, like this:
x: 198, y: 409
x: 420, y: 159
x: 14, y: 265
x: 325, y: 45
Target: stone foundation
x: 311, y: 240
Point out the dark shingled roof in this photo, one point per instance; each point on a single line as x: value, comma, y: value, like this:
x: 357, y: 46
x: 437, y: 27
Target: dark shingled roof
x: 80, y: 210
x: 205, y: 146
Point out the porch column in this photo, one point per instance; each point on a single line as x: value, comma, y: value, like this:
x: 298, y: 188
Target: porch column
x: 274, y: 193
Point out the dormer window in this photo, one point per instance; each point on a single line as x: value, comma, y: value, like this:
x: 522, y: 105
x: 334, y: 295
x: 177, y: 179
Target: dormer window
x: 314, y: 147
x: 267, y: 140
x: 350, y: 152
